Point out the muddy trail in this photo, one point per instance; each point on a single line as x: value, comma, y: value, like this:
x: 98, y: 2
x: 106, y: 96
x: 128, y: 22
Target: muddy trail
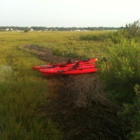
x: 79, y: 105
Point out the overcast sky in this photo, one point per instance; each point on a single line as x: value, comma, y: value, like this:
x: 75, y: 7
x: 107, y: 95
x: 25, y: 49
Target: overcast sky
x: 69, y: 13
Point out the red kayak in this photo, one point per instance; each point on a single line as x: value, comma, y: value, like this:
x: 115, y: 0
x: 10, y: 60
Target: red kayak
x: 78, y: 68
x: 69, y: 63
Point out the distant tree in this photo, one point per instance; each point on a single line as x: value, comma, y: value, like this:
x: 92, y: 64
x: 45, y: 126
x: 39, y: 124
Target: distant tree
x: 27, y: 30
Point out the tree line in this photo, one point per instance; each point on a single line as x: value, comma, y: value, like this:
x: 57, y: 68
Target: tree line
x: 41, y: 28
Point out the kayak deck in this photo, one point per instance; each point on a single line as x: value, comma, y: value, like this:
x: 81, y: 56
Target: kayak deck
x: 76, y: 67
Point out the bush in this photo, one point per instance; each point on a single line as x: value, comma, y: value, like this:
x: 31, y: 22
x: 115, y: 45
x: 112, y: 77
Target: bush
x: 121, y: 71
x: 132, y: 29
x: 121, y: 74
x: 27, y: 30
x: 131, y: 113
x: 101, y: 37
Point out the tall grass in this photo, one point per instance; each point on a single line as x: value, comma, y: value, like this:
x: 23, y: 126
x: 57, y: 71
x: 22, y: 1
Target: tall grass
x: 22, y: 95
x: 61, y: 43
x: 23, y: 92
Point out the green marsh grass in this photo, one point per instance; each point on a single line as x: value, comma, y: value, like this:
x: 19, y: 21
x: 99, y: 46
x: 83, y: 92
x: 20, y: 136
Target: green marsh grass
x: 22, y: 95
x: 23, y: 92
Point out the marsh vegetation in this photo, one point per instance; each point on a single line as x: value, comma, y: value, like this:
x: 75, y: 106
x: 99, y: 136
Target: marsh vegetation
x: 102, y: 106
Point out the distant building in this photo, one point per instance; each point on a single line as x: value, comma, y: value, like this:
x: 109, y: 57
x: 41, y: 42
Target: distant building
x: 7, y: 29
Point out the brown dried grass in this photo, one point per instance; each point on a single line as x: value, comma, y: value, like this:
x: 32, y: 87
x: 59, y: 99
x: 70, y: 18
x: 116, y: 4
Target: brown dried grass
x: 83, y: 110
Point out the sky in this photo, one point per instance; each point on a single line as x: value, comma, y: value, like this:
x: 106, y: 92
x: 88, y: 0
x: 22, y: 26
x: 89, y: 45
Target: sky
x: 69, y: 13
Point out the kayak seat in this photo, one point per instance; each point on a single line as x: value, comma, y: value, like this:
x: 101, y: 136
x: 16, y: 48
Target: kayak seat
x: 75, y: 66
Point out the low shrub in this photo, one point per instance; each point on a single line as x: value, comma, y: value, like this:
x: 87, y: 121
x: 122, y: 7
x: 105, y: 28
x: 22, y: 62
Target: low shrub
x: 121, y: 71
x: 131, y: 113
x: 100, y: 37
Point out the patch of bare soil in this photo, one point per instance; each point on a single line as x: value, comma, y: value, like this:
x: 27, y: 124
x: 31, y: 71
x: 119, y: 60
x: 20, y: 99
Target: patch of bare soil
x: 45, y: 54
x: 79, y: 105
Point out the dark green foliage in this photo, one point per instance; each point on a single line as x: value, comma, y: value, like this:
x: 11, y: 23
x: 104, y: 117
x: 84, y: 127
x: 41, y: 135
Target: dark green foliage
x: 118, y: 93
x: 121, y: 71
x: 131, y: 113
x: 89, y: 37
x: 121, y: 74
x: 114, y: 37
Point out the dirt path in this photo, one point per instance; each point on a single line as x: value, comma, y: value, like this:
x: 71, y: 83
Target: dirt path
x: 45, y: 54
